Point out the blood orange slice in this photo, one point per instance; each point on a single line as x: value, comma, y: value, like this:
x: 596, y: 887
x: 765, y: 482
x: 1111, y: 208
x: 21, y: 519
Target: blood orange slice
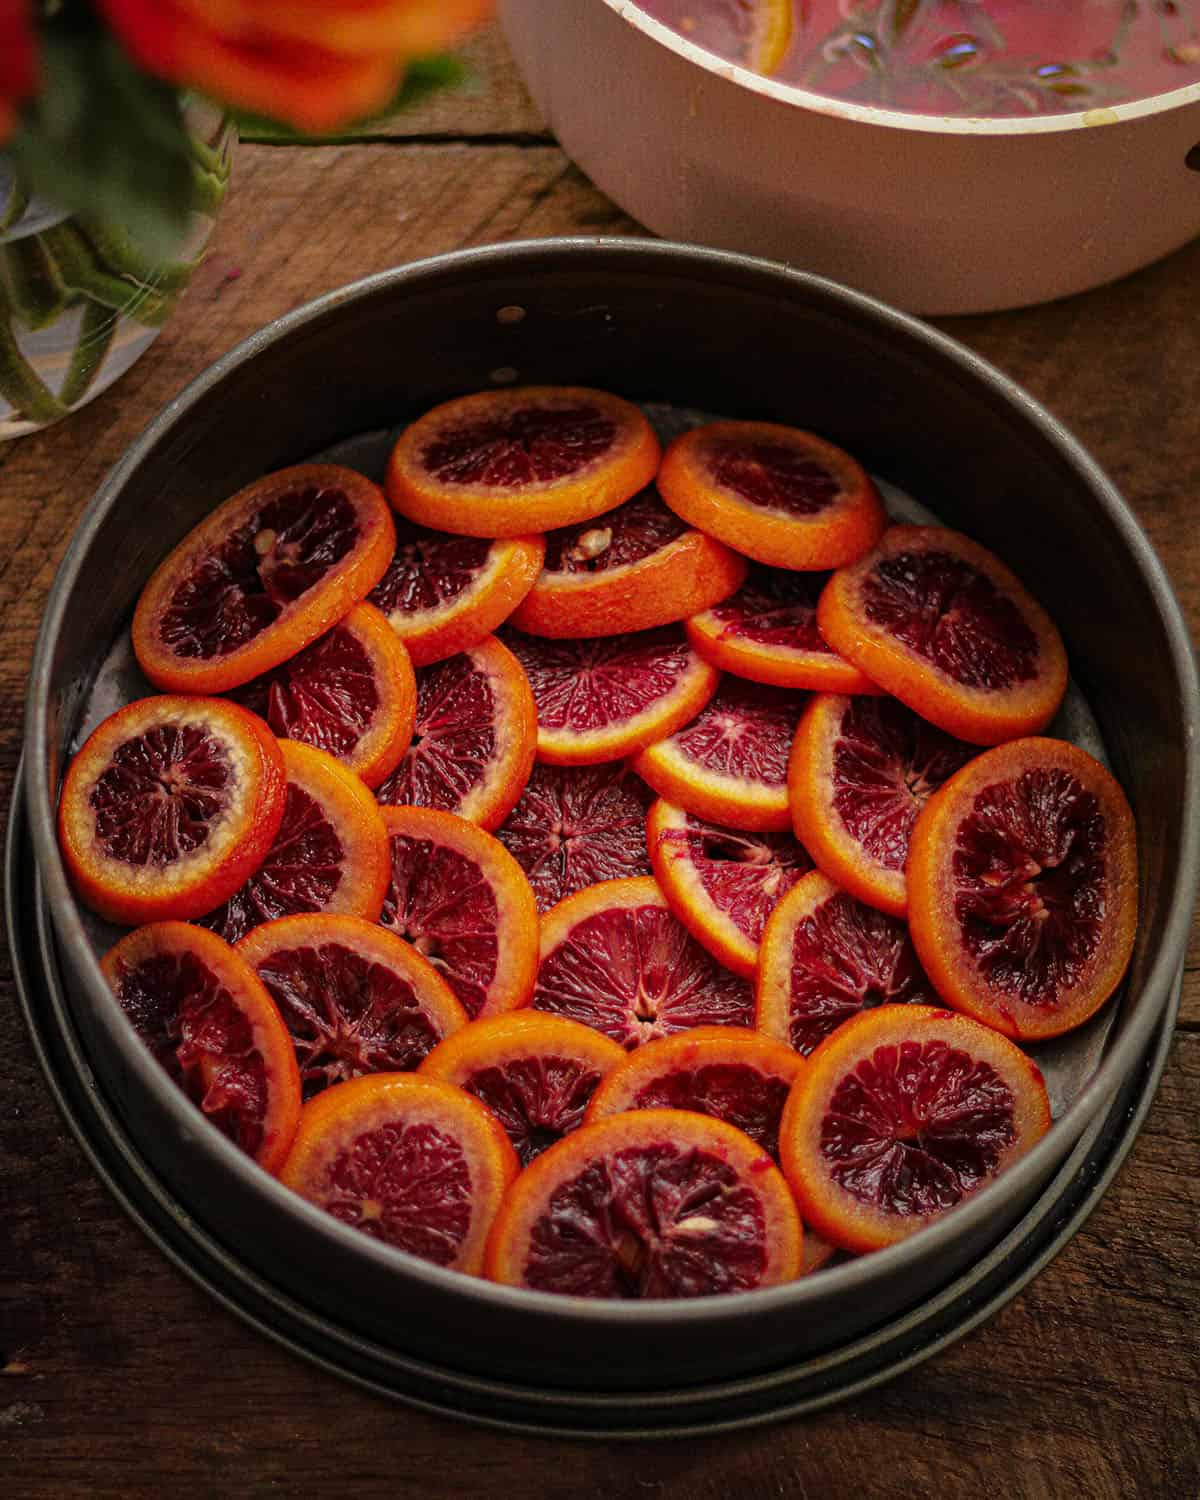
x: 353, y: 996
x: 824, y: 957
x: 576, y: 825
x: 767, y: 632
x: 351, y: 693
x: 779, y: 495
x: 615, y: 958
x: 206, y: 1017
x: 902, y: 1114
x: 330, y: 853
x: 729, y: 765
x: 653, y: 1203
x: 600, y: 700
x: 474, y: 737
x: 168, y: 807
x: 460, y: 898
x: 722, y: 884
x: 755, y: 33
x: 535, y: 1073
x: 724, y: 1071
x: 1023, y: 887
x: 262, y: 577
x: 860, y: 772
x: 509, y: 463
x: 634, y: 568
x: 942, y: 624
x: 443, y: 594
x: 410, y: 1161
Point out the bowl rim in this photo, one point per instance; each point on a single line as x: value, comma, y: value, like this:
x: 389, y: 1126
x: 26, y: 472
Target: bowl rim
x: 636, y: 256
x: 897, y: 119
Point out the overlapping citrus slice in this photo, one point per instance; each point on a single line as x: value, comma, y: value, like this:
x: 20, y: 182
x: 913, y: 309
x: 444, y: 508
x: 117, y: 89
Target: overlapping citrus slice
x: 774, y: 493
x: 474, y: 737
x: 861, y: 769
x: 575, y: 825
x: 767, y: 632
x: 1023, y: 887
x: 413, y: 1162
x: 330, y: 852
x: 631, y: 569
x: 729, y: 764
x: 603, y: 699
x: 728, y: 1072
x: 941, y: 623
x: 352, y: 693
x: 514, y: 462
x: 721, y: 883
x: 824, y: 957
x: 902, y: 1114
x: 204, y: 1014
x: 443, y: 594
x: 615, y: 957
x: 353, y: 996
x: 168, y: 807
x: 536, y: 1073
x: 755, y: 33
x: 460, y: 898
x: 262, y: 577
x: 649, y: 1204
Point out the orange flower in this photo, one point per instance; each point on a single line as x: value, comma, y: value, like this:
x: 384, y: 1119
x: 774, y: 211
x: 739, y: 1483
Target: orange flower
x: 18, y: 66
x: 313, y: 64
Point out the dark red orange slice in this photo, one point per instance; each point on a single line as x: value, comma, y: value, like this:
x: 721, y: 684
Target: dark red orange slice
x: 206, y: 1017
x: 943, y: 625
x: 168, y: 807
x: 650, y: 1204
x: 1023, y: 887
x: 417, y: 1164
x: 514, y: 462
x: 353, y: 996
x: 615, y: 957
x: 824, y: 957
x: 902, y: 1114
x: 262, y: 577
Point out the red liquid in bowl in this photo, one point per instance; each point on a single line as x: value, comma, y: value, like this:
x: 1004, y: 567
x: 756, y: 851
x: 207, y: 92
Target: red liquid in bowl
x: 955, y: 57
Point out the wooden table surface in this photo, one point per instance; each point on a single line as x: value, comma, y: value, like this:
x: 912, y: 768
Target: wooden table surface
x: 118, y: 1378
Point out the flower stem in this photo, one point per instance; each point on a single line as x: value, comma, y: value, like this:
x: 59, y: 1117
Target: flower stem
x: 81, y: 272
x: 20, y: 385
x: 95, y: 338
x: 35, y: 291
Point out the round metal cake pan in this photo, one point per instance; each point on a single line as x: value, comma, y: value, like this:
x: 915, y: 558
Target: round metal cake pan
x: 708, y: 331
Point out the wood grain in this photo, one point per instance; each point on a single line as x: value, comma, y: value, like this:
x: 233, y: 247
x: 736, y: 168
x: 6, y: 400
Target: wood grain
x: 119, y: 1379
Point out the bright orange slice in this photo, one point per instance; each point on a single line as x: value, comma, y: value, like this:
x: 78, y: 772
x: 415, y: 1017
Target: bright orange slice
x: 330, y: 853
x: 616, y: 958
x: 474, y: 737
x: 536, y: 1073
x: 600, y: 700
x: 824, y: 957
x: 353, y: 996
x: 514, y: 462
x: 650, y: 1204
x: 410, y: 1161
x: 168, y: 807
x: 777, y: 494
x: 631, y: 569
x: 899, y: 1116
x: 1023, y: 887
x: 942, y: 624
x: 206, y: 1017
x: 727, y: 1072
x: 722, y: 884
x: 729, y: 765
x: 861, y: 770
x: 262, y: 577
x: 443, y: 594
x: 351, y: 693
x: 460, y: 898
x: 767, y: 632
